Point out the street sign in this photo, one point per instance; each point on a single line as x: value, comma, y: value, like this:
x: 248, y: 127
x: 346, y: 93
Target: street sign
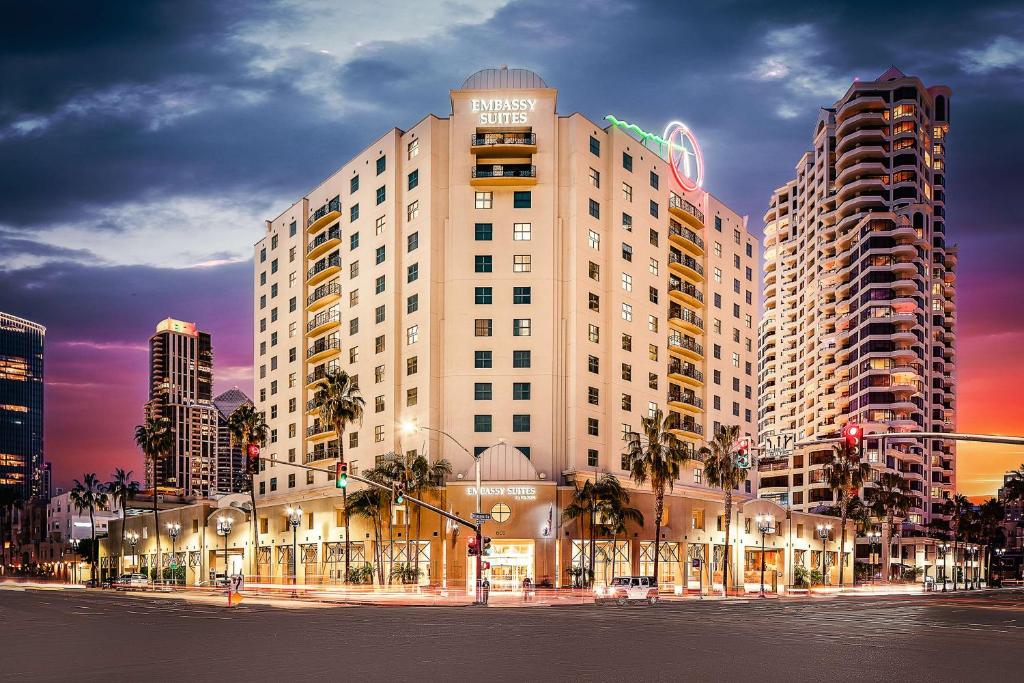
x: 778, y: 446
x: 237, y: 583
x: 480, y: 516
x: 696, y: 563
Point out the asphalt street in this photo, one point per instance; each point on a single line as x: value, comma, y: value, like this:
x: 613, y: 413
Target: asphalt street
x: 103, y: 635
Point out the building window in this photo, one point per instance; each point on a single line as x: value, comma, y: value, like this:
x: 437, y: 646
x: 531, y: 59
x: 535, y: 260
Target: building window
x: 379, y: 255
x: 482, y: 263
x: 520, y: 391
x: 413, y: 149
x: 627, y: 312
x: 482, y: 360
x: 411, y: 365
x: 412, y: 272
x: 627, y: 282
x: 594, y: 333
x: 593, y: 396
x: 593, y: 428
x: 382, y: 194
x: 379, y: 314
x: 353, y: 213
x: 482, y: 295
x: 413, y: 210
x: 591, y: 457
x: 627, y: 222
x: 520, y: 359
x: 521, y: 231
x: 654, y: 180
x: 654, y: 208
x: 521, y: 295
x: 595, y: 146
x: 594, y: 208
x: 379, y: 284
x: 626, y: 402
x: 378, y: 433
x: 353, y: 184
x: 414, y: 179
x: 482, y: 200
x: 593, y: 240
x: 594, y: 302
x: 594, y: 271
x: 381, y: 164
x: 482, y: 391
x: 627, y: 372
x: 627, y: 342
x: 412, y: 334
x: 412, y: 242
x: 521, y: 327
x: 627, y: 161
x: 484, y: 232
x: 378, y: 227
x: 593, y: 364
x: 627, y: 252
x: 521, y: 263
x: 482, y: 423
x: 522, y: 200
x: 379, y: 344
x: 482, y: 327
x: 520, y: 423
x: 595, y: 177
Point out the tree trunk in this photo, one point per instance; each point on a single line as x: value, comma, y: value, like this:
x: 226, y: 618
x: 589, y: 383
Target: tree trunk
x: 253, y: 568
x: 344, y: 500
x: 593, y: 547
x: 842, y: 547
x: 416, y: 559
x: 728, y: 524
x: 659, y: 507
x: 156, y: 521
x: 93, y: 553
x: 120, y: 559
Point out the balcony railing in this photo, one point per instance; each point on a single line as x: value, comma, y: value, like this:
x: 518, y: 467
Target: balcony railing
x: 688, y: 261
x: 687, y: 288
x: 322, y: 291
x: 501, y: 138
x: 677, y: 202
x: 317, y: 428
x: 329, y: 207
x: 324, y: 264
x: 323, y: 319
x: 328, y: 453
x: 688, y: 399
x: 321, y: 372
x: 505, y: 171
x: 687, y: 234
x: 687, y: 426
x: 686, y: 315
x: 333, y: 234
x: 323, y: 345
x: 687, y: 343
x: 678, y: 368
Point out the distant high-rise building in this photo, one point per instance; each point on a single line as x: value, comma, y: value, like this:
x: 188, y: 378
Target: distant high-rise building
x: 859, y: 306
x: 21, y: 407
x: 230, y: 459
x: 181, y: 390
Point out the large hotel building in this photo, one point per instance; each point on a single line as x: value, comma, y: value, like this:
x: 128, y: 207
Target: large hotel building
x: 859, y: 299
x: 23, y: 473
x: 526, y: 286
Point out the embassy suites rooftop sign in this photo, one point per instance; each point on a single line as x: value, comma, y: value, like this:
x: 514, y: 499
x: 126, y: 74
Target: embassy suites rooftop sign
x: 677, y: 145
x: 498, y: 111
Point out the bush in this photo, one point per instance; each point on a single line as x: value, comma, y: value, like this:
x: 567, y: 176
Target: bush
x: 801, y: 577
x: 406, y: 573
x: 816, y: 577
x: 363, y: 574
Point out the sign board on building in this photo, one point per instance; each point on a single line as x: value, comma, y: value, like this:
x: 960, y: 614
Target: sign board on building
x: 480, y: 516
x: 778, y: 446
x: 516, y: 492
x: 502, y: 111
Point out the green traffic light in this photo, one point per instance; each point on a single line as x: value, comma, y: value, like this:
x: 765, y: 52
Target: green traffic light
x: 341, y: 482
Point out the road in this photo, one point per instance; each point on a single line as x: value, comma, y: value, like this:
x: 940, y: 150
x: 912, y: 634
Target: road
x: 102, y: 635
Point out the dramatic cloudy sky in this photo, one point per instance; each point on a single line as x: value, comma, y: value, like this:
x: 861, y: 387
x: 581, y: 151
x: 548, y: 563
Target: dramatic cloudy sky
x: 142, y: 144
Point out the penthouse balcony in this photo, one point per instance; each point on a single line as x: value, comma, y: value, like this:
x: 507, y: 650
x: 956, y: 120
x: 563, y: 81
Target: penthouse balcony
x: 685, y: 373
x: 323, y: 269
x: 331, y: 211
x: 681, y: 208
x: 686, y: 238
x: 502, y: 143
x: 685, y: 318
x: 323, y: 295
x: 503, y: 174
x: 686, y: 266
x: 324, y: 242
x: 685, y: 346
x: 323, y: 348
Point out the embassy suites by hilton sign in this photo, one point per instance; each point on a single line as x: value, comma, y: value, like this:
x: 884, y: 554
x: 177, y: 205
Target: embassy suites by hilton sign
x: 499, y: 111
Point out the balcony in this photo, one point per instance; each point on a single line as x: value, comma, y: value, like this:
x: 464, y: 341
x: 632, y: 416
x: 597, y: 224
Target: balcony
x: 685, y: 291
x: 323, y: 269
x: 504, y: 174
x: 686, y: 401
x: 320, y: 374
x: 686, y: 238
x: 688, y: 429
x: 686, y: 265
x: 323, y: 322
x: 685, y: 318
x: 322, y: 453
x: 502, y: 143
x: 325, y: 214
x: 324, y: 294
x: 685, y: 346
x: 323, y: 349
x: 683, y: 209
x: 312, y: 407
x: 324, y: 242
x: 319, y: 432
x: 685, y: 373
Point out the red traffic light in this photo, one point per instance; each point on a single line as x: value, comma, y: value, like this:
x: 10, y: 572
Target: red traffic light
x: 253, y: 450
x: 743, y: 445
x: 485, y: 565
x: 473, y: 549
x: 853, y: 434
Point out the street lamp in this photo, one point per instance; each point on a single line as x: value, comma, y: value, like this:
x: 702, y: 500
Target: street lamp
x: 173, y: 529
x: 874, y: 537
x: 944, y: 548
x: 766, y: 525
x: 409, y: 427
x: 824, y: 530
x: 294, y: 519
x: 74, y: 547
x: 224, y: 525
x: 972, y: 574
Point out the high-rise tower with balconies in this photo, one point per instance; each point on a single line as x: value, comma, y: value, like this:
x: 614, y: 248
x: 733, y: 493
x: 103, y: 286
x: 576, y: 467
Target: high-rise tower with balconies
x: 859, y: 306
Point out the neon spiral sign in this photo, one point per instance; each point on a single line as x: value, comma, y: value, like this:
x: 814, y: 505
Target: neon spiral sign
x: 677, y: 146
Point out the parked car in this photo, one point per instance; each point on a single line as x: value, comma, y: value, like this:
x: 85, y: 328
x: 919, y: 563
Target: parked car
x: 132, y: 580
x: 626, y: 589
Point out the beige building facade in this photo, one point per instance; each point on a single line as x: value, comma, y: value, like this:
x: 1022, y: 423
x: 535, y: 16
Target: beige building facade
x: 859, y: 299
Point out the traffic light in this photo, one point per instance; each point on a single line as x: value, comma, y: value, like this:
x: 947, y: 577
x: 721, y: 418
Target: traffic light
x: 252, y: 458
x: 743, y: 452
x: 485, y: 565
x: 341, y: 475
x: 486, y: 545
x: 398, y: 492
x: 853, y: 435
x: 472, y: 546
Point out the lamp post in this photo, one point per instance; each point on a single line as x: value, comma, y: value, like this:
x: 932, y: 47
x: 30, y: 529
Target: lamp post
x: 824, y: 530
x: 132, y: 538
x: 998, y: 554
x: 766, y: 525
x: 874, y: 537
x: 972, y: 576
x: 74, y: 568
x: 173, y: 529
x: 412, y: 428
x: 944, y: 549
x: 294, y: 519
x: 224, y: 525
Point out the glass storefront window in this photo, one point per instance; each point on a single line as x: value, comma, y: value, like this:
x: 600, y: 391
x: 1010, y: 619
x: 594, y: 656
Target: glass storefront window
x: 668, y: 563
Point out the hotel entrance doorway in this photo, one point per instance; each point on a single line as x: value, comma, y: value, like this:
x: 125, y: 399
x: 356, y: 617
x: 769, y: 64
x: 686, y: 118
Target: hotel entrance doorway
x: 511, y: 562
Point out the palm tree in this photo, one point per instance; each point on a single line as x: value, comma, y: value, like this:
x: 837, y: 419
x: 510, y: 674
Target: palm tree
x: 340, y: 405
x: 156, y: 440
x: 248, y: 427
x: 121, y: 488
x: 614, y: 511
x: 960, y: 513
x: 369, y: 504
x: 656, y: 456
x: 845, y: 473
x: 582, y: 506
x: 990, y: 527
x: 424, y: 476
x: 722, y: 470
x: 88, y: 495
x: 1014, y: 485
x: 889, y: 499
